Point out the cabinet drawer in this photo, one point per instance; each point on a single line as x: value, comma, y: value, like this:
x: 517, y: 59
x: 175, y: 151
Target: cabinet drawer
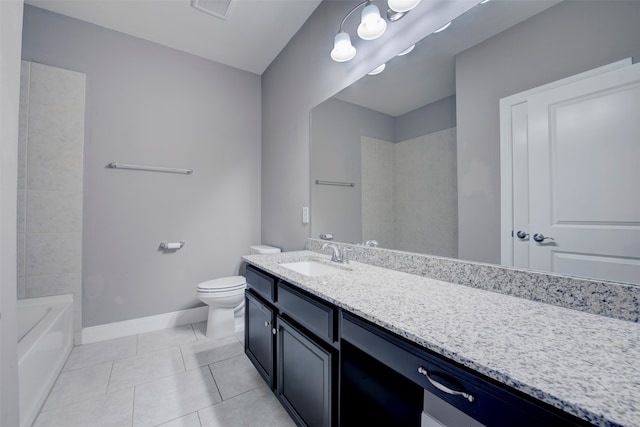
x: 314, y: 315
x: 483, y: 400
x: 261, y: 283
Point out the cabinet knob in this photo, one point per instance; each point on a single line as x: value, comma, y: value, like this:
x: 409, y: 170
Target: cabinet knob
x: 267, y: 323
x: 274, y: 331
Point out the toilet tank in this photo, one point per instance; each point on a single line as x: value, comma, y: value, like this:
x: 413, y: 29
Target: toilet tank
x: 263, y: 249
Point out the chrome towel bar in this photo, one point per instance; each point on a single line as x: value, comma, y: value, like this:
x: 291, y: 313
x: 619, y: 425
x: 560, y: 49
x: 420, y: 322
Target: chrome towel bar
x: 339, y: 184
x: 116, y: 165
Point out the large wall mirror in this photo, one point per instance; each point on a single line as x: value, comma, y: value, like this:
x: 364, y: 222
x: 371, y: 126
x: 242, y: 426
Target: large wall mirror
x: 410, y: 157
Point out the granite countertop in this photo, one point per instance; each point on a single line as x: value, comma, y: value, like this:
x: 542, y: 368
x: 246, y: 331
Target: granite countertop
x: 584, y: 364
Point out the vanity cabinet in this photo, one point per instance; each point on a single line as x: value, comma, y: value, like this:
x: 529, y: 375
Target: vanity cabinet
x: 424, y: 380
x: 291, y: 338
x: 259, y: 343
x: 329, y: 367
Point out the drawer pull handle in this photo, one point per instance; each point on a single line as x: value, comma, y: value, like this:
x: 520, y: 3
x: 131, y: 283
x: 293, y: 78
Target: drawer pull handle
x: 444, y: 388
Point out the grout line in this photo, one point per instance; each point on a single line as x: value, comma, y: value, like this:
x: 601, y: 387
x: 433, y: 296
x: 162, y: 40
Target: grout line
x: 133, y: 406
x: 200, y: 419
x: 215, y: 382
x: 110, y: 374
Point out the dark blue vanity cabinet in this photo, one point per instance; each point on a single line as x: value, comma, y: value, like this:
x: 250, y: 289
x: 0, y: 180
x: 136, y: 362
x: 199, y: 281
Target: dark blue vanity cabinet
x: 329, y: 367
x: 291, y: 338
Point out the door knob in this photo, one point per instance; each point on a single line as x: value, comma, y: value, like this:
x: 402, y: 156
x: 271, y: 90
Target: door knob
x: 522, y: 235
x: 539, y: 237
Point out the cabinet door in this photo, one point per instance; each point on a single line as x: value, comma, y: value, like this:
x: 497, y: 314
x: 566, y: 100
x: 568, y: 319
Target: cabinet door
x: 305, y: 379
x: 258, y: 337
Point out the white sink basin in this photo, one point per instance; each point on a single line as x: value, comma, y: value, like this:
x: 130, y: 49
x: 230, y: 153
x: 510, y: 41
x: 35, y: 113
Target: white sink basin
x: 311, y: 268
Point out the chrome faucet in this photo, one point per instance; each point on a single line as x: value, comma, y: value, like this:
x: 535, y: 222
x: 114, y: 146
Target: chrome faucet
x: 372, y: 243
x: 337, y: 255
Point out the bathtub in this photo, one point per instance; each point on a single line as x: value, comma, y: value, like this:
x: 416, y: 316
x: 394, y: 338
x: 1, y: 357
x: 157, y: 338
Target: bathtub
x: 45, y: 339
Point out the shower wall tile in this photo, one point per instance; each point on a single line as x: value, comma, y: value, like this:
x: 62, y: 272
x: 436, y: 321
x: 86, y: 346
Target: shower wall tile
x: 51, y: 169
x: 25, y: 70
x: 49, y: 285
x: 21, y: 271
x: 22, y: 210
x: 54, y: 212
x: 57, y: 126
x: 22, y: 145
x: 50, y: 173
x: 52, y: 85
x: 21, y: 288
x: 53, y: 253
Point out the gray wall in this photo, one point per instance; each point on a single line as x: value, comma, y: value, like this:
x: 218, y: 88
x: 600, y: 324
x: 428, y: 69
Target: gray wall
x: 10, y: 37
x: 151, y: 105
x: 336, y: 131
x: 434, y: 117
x: 567, y: 39
x: 303, y: 76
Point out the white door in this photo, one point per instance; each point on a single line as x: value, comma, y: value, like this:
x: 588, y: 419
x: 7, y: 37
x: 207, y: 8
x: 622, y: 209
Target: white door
x: 584, y: 177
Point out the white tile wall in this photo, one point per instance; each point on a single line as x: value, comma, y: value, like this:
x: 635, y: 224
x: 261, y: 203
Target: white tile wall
x: 421, y: 174
x: 50, y: 156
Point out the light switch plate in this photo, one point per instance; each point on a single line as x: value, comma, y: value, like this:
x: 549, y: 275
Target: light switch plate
x: 305, y: 214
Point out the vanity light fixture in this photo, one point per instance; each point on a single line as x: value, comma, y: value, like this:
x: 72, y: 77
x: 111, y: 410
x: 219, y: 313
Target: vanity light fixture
x: 377, y: 70
x: 444, y: 27
x: 403, y: 5
x: 372, y: 26
x: 407, y: 50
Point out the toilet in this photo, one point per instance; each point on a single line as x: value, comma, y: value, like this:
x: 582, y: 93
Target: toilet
x: 225, y: 298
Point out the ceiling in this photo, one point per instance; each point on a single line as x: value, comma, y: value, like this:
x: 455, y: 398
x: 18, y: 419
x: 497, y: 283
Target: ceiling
x: 251, y: 37
x: 427, y: 74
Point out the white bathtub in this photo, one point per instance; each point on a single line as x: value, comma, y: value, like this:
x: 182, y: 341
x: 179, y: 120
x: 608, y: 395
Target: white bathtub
x: 45, y: 339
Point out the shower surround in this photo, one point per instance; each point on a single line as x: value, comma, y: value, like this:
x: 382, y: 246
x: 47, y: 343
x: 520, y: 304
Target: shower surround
x: 50, y: 173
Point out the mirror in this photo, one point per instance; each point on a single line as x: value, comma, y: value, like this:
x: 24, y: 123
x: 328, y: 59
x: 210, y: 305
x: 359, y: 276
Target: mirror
x: 385, y: 152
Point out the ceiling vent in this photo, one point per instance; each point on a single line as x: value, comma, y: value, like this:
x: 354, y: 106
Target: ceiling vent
x: 217, y: 8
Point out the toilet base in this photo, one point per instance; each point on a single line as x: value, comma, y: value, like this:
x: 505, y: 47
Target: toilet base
x: 221, y: 323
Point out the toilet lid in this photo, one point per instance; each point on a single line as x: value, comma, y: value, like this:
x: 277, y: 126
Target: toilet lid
x: 223, y: 284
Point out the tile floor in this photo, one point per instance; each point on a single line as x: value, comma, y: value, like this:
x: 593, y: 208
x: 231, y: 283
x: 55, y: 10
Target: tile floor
x: 173, y: 378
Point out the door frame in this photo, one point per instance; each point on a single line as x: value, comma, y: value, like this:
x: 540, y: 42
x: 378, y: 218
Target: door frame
x: 506, y: 151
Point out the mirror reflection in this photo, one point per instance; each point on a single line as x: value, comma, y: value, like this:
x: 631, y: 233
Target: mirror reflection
x: 420, y: 142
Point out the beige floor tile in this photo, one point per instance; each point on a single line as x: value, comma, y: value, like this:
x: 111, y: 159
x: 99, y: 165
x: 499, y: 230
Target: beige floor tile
x: 191, y: 420
x: 204, y: 352
x: 110, y: 410
x: 236, y: 376
x: 100, y: 352
x: 156, y: 340
x: 175, y: 396
x: 257, y: 408
x: 145, y: 367
x: 78, y: 385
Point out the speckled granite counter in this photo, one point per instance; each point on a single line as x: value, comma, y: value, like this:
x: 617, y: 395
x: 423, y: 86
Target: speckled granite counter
x: 585, y: 364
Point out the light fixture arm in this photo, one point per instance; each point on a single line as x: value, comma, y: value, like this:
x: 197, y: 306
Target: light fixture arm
x: 365, y: 2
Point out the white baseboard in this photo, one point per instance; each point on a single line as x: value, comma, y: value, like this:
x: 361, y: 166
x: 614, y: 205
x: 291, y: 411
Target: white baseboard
x: 140, y: 325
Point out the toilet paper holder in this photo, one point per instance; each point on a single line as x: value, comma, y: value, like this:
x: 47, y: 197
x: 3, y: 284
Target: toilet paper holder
x: 171, y: 246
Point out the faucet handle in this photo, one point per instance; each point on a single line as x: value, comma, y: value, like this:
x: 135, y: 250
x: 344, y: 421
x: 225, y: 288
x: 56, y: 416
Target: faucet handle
x: 345, y: 254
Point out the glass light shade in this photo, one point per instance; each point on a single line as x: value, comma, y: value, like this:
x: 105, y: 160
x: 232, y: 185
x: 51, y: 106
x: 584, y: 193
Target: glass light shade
x: 371, y: 25
x: 377, y: 70
x: 342, y: 50
x: 402, y: 5
x: 444, y: 27
x: 407, y: 50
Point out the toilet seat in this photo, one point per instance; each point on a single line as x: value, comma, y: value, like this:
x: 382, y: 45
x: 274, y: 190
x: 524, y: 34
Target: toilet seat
x: 225, y: 284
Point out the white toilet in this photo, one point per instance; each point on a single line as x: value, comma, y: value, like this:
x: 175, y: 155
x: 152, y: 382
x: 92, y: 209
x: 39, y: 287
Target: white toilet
x: 225, y: 298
